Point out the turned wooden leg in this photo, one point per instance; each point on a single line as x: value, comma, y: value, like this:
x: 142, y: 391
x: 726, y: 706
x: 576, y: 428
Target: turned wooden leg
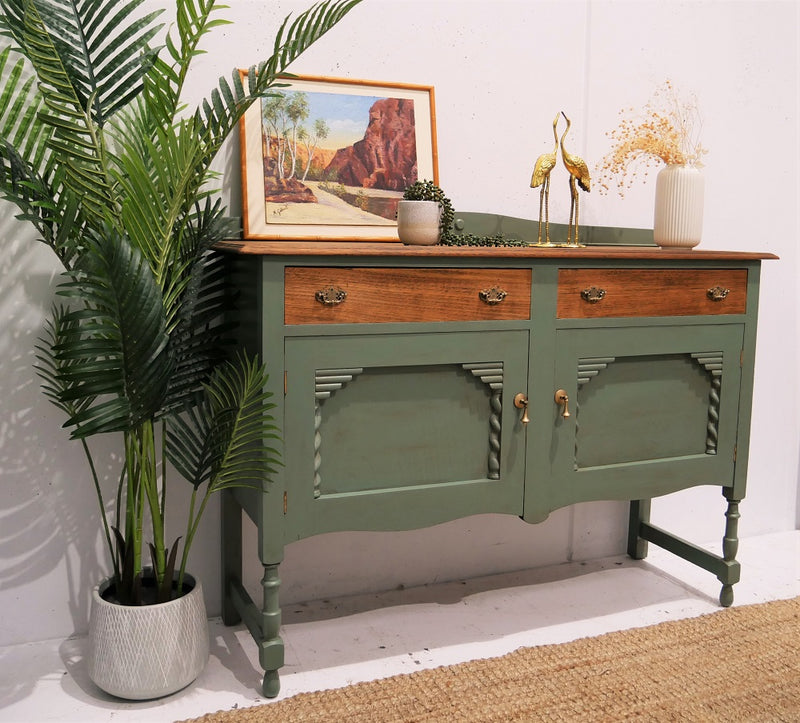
x: 730, y: 547
x: 271, y: 653
x: 272, y: 684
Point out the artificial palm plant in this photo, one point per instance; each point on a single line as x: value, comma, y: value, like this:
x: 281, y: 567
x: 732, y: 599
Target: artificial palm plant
x: 100, y: 155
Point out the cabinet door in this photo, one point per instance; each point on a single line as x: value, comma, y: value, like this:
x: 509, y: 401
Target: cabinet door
x: 651, y: 410
x: 397, y: 431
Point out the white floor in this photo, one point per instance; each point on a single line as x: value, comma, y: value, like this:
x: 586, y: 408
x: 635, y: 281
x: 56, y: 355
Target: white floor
x: 338, y: 642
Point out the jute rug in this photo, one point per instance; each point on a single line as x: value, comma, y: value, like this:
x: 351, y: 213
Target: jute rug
x: 737, y: 664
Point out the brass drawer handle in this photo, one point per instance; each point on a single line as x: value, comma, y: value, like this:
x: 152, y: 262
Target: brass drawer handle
x: 492, y: 296
x: 330, y: 296
x: 717, y: 293
x: 593, y: 294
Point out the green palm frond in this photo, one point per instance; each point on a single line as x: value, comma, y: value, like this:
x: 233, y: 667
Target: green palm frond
x: 11, y: 18
x: 60, y: 225
x: 164, y: 83
x: 50, y: 369
x: 20, y: 101
x: 27, y: 177
x: 76, y: 142
x: 221, y: 441
x: 86, y: 73
x: 159, y: 183
x: 104, y: 49
x: 30, y: 176
x: 307, y: 28
x: 199, y: 335
x: 113, y: 347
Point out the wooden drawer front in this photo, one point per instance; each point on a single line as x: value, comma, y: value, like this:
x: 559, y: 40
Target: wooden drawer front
x: 650, y: 292
x: 316, y: 295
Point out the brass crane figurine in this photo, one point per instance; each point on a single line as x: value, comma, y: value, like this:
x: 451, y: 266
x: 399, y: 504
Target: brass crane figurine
x: 578, y: 171
x: 541, y: 177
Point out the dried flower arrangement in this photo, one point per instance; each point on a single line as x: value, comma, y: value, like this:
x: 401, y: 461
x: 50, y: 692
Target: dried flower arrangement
x: 667, y: 131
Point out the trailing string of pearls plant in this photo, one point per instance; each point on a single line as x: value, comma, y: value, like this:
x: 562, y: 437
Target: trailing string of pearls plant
x: 429, y: 191
x: 469, y: 239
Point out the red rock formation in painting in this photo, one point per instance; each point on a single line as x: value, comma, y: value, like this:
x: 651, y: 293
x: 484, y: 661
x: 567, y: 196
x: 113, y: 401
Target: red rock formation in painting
x: 386, y: 158
x: 284, y: 190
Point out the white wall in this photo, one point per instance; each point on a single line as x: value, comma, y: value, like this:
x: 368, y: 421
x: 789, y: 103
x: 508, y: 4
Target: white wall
x: 501, y: 69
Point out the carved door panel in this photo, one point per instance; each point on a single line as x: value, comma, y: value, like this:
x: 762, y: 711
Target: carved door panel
x: 397, y: 431
x: 650, y: 411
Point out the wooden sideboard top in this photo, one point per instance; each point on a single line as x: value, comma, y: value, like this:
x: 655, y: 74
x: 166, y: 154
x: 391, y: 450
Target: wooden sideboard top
x: 395, y: 250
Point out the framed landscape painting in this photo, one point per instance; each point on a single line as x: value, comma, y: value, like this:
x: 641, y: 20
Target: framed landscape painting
x: 327, y: 159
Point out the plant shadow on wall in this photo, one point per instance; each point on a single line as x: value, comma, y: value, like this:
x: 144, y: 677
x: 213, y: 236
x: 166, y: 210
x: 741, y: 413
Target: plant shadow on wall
x: 47, y: 522
x: 100, y: 156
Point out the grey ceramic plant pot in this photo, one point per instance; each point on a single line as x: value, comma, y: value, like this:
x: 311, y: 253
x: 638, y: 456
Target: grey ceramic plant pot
x: 148, y: 651
x: 418, y: 222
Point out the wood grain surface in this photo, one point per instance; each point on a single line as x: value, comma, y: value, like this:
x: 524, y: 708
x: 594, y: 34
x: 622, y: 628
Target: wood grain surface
x: 650, y: 292
x: 378, y: 295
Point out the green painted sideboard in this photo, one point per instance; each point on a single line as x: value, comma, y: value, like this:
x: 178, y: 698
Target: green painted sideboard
x: 417, y: 385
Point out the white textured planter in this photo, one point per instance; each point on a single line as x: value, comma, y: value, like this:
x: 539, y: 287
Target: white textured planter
x: 680, y: 192
x: 418, y: 222
x: 147, y: 651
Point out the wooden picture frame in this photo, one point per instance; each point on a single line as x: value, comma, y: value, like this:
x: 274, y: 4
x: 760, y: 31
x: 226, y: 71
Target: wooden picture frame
x: 327, y: 159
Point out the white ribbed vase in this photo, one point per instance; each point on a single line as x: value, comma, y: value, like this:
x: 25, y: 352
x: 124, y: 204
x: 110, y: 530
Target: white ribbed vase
x: 680, y: 192
x: 149, y: 651
x: 418, y: 222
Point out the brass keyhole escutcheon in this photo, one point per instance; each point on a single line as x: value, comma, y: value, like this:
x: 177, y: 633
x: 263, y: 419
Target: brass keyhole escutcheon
x: 521, y: 402
x: 563, y: 400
